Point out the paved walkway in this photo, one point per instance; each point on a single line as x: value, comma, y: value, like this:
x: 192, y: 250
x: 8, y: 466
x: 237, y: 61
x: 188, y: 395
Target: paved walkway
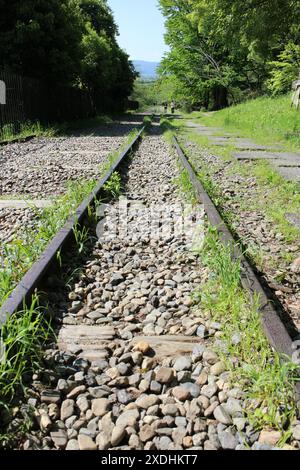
x: 287, y: 163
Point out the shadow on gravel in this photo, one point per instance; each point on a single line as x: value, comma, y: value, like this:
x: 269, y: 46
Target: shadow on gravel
x: 120, y: 126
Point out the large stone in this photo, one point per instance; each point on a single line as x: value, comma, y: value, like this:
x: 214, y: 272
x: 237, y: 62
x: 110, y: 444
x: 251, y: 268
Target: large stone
x: 194, y: 389
x: 181, y: 394
x: 169, y: 410
x: 209, y: 390
x: 142, y: 346
x: 103, y: 441
x: 118, y: 435
x: 269, y: 437
x: 100, y: 406
x: 295, y: 267
x: 296, y: 432
x: 210, y: 357
x: 165, y: 375
x: 183, y: 363
x: 198, y: 352
x: 86, y: 443
x: 83, y: 404
x: 73, y: 445
x: 145, y: 401
x: 49, y: 397
x: 67, y: 409
x: 222, y: 416
x: 218, y: 368
x: 59, y: 438
x: 178, y: 435
x: 228, y: 440
x: 128, y: 418
x: 146, y: 433
x: 233, y: 407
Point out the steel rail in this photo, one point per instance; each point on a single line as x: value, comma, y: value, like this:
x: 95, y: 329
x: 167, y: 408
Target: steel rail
x: 275, y: 330
x: 31, y: 280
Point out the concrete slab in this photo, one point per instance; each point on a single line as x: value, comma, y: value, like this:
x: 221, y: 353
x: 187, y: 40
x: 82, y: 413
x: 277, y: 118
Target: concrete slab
x: 254, y: 155
x: 91, y: 340
x: 23, y: 204
x: 241, y: 144
x: 286, y: 163
x: 169, y: 346
x: 294, y: 219
x: 291, y: 174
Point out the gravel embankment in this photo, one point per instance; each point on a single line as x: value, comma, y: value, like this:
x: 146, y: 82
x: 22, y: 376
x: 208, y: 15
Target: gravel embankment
x: 150, y: 379
x: 239, y: 196
x: 43, y: 167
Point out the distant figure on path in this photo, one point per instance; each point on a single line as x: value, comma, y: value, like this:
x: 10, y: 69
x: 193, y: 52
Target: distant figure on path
x: 296, y: 94
x: 166, y: 107
x: 172, y: 107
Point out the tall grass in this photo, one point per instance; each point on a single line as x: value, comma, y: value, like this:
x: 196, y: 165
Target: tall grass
x: 28, y: 128
x: 266, y: 120
x: 266, y: 378
x: 22, y: 340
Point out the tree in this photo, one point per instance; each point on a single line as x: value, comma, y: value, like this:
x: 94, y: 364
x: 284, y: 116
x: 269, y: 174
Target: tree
x: 67, y: 42
x: 106, y: 70
x: 222, y: 50
x: 41, y: 38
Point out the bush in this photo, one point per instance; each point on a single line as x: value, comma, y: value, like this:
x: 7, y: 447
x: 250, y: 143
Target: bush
x: 285, y: 70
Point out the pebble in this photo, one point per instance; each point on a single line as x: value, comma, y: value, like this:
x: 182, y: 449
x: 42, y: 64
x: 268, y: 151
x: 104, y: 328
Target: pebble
x: 222, y: 416
x: 182, y: 363
x: 165, y: 375
x: 118, y: 435
x: 296, y: 432
x: 86, y: 443
x: 67, y: 409
x: 100, y: 406
x: 209, y: 390
x: 269, y: 437
x: 181, y: 393
x: 145, y: 401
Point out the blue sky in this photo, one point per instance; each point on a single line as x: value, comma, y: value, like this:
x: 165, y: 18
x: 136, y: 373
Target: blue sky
x: 141, y: 27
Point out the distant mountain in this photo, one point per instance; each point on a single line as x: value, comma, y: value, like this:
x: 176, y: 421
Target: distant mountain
x: 146, y: 69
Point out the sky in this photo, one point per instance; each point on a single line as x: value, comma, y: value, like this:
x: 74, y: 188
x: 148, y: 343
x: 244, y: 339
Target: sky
x: 141, y: 27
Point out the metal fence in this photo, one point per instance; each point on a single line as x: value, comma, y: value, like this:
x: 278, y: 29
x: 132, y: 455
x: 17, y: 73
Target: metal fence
x: 28, y: 99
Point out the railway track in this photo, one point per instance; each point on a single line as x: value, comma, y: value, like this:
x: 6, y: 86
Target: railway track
x: 135, y: 364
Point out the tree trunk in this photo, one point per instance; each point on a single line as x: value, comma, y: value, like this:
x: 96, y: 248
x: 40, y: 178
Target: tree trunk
x: 220, y: 98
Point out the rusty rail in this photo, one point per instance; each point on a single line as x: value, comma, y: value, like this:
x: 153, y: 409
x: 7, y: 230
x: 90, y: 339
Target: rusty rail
x: 274, y: 328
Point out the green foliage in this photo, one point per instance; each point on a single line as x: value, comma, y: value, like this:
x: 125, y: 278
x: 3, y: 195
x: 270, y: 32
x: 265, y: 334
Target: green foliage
x: 67, y: 42
x: 221, y: 51
x: 285, y: 69
x: 152, y: 94
x: 22, y: 339
x: 26, y: 129
x: 114, y: 186
x: 267, y: 120
x: 266, y: 378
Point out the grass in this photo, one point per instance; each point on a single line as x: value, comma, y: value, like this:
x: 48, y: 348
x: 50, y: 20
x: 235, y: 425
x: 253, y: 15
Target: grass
x: 266, y: 378
x: 114, y: 186
x: 274, y: 196
x: 265, y: 120
x: 7, y: 132
x: 22, y: 339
